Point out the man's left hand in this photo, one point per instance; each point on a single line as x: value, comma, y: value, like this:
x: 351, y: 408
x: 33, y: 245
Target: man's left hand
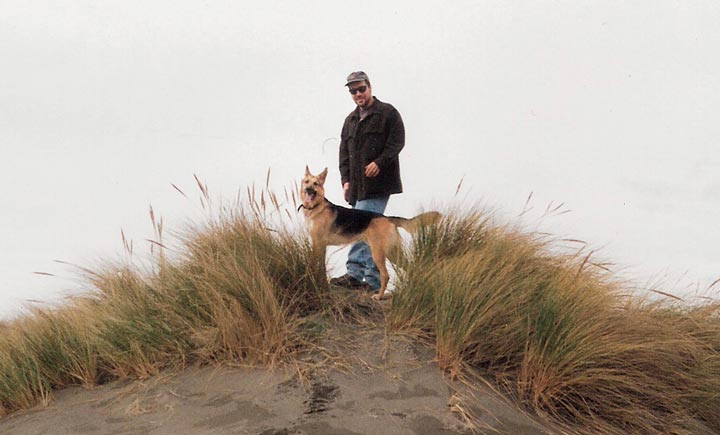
x: 372, y: 170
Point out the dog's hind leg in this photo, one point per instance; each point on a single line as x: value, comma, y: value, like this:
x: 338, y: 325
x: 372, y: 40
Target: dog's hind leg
x: 378, y: 256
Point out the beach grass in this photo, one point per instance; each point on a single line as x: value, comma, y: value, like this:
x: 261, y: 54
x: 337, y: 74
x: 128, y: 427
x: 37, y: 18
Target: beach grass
x: 235, y: 289
x: 543, y: 320
x: 557, y: 331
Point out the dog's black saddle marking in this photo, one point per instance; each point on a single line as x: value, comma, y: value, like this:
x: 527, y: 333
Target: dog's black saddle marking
x: 350, y: 222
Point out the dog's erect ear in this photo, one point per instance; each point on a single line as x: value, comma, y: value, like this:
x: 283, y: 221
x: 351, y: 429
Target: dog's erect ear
x: 307, y: 171
x: 322, y: 176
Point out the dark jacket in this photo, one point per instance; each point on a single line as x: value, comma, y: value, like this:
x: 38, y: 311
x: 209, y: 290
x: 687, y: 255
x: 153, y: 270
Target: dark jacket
x: 377, y: 138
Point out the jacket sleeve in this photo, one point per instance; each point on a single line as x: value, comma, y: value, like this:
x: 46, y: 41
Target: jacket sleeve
x: 395, y: 139
x: 344, y: 156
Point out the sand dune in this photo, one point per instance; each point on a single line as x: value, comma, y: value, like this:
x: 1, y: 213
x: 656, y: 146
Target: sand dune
x: 361, y: 382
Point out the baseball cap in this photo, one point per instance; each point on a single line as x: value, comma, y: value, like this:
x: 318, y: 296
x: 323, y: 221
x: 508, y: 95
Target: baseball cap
x: 357, y: 76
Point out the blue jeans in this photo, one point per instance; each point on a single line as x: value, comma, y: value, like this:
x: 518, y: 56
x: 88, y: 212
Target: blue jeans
x: 360, y: 263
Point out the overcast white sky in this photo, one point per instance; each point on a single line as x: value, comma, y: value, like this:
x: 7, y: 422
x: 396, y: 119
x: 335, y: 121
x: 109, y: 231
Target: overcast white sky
x: 609, y: 107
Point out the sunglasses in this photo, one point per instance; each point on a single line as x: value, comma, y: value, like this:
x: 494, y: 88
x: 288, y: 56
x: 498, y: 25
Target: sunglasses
x: 360, y: 89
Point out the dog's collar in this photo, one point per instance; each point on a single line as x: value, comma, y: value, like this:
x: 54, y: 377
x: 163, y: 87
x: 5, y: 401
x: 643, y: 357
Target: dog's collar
x: 307, y: 208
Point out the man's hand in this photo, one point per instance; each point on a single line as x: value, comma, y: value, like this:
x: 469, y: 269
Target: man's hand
x: 372, y: 170
x: 346, y: 190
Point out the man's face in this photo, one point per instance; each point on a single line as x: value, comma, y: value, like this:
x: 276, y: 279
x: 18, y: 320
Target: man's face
x: 362, y: 95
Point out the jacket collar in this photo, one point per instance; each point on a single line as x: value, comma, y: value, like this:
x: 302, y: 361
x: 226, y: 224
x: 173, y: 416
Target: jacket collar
x: 374, y: 108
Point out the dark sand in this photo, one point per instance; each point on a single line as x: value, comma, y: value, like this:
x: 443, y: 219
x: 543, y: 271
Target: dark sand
x: 365, y: 383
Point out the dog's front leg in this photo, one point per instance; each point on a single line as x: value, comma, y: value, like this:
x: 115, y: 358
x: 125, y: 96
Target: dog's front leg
x: 318, y: 248
x: 318, y: 254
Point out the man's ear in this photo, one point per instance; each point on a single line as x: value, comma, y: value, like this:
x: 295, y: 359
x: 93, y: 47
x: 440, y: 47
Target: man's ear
x: 323, y: 175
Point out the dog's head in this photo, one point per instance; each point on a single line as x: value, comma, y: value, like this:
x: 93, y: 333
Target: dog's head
x: 312, y: 191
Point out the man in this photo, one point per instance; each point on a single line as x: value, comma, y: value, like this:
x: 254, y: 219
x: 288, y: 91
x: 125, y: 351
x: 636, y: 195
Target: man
x: 372, y: 136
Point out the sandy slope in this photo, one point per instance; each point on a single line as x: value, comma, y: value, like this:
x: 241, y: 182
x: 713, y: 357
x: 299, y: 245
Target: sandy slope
x: 362, y: 383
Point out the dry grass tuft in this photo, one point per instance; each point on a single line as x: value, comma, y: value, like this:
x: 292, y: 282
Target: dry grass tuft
x: 556, y: 332
x: 236, y: 289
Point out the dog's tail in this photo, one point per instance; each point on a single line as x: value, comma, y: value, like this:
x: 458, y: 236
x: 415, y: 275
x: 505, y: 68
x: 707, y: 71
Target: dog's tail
x: 422, y: 220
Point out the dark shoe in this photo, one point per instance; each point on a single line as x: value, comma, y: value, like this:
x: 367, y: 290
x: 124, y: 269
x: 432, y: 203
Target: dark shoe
x: 347, y: 281
x: 366, y: 288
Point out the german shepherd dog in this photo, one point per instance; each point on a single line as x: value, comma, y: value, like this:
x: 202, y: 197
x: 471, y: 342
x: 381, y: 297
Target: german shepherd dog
x: 330, y: 224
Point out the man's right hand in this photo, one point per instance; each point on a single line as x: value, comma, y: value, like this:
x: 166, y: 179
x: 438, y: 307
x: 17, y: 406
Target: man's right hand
x: 346, y: 191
